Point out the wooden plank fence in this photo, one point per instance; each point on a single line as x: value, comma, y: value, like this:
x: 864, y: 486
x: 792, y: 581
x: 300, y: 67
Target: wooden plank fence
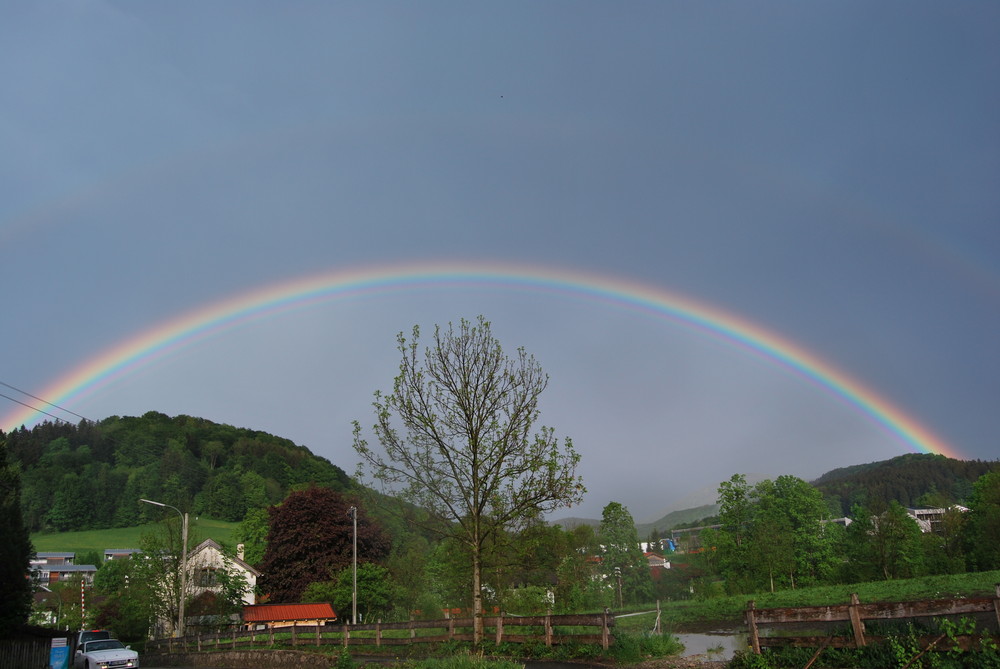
x: 856, y: 613
x: 551, y: 630
x: 28, y: 647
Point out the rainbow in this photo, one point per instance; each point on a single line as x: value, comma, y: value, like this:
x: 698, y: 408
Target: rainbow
x: 131, y: 354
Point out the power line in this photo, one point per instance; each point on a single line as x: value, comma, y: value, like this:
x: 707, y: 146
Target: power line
x: 35, y: 397
x: 33, y: 408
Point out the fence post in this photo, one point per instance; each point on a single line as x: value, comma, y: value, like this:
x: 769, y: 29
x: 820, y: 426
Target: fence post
x: 293, y: 634
x: 378, y: 632
x: 270, y: 635
x: 856, y: 625
x: 451, y: 629
x: 500, y: 626
x: 413, y: 630
x: 319, y: 632
x: 605, y: 633
x: 548, y: 630
x: 234, y: 638
x: 751, y: 616
x: 996, y: 603
x: 347, y: 633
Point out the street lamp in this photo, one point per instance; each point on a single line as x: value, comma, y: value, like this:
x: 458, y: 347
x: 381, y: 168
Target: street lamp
x: 184, y: 548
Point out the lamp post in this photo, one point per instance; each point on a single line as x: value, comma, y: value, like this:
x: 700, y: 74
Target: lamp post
x: 184, y: 547
x: 353, y: 512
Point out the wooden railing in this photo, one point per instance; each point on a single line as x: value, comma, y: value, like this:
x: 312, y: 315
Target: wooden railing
x: 856, y: 613
x: 550, y: 630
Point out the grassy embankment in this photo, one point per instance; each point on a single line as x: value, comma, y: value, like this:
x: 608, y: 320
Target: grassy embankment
x: 729, y: 610
x: 130, y: 537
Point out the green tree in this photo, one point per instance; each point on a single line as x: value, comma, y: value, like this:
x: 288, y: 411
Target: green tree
x: 731, y: 556
x: 159, y: 580
x: 884, y: 543
x: 788, y: 515
x: 127, y: 607
x: 772, y: 535
x: 224, y: 497
x: 457, y: 441
x: 622, y: 556
x: 408, y: 566
x: 252, y: 533
x: 376, y: 592
x: 982, y: 527
x: 16, y: 550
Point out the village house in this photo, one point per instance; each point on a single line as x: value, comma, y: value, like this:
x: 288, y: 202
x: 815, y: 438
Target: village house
x: 119, y: 553
x: 207, y: 559
x: 50, y: 568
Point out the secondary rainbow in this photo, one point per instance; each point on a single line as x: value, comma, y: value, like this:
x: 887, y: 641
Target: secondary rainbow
x: 131, y: 354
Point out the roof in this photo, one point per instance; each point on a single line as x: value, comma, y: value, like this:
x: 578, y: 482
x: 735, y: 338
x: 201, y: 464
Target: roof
x: 211, y: 543
x: 265, y: 613
x: 66, y: 567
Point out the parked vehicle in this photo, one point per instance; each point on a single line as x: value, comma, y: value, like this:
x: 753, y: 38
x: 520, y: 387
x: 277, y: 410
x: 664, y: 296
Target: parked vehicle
x: 105, y: 654
x: 87, y: 635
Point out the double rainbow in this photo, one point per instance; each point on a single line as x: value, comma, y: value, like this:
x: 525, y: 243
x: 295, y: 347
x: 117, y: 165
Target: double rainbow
x: 127, y: 356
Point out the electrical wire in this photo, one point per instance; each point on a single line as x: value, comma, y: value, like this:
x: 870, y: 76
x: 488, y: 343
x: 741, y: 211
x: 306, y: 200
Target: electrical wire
x: 35, y: 397
x: 34, y: 408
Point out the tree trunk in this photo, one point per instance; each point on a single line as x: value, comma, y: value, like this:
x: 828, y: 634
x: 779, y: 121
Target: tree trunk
x: 477, y: 596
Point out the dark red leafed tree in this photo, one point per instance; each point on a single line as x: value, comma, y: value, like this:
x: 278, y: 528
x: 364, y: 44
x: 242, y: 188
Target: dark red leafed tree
x: 310, y: 538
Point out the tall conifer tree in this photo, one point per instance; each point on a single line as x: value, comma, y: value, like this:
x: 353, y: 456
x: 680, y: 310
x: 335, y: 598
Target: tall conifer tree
x: 15, y: 548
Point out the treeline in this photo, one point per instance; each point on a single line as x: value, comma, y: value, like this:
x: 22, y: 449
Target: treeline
x: 91, y: 475
x: 915, y: 479
x: 777, y: 535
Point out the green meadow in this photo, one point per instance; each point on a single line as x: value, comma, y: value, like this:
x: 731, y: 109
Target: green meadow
x: 130, y: 537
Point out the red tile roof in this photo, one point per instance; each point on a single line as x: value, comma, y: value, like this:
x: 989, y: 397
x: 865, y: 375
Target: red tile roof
x: 267, y: 613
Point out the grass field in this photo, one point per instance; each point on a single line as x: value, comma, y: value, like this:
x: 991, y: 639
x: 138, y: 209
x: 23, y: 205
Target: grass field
x: 130, y: 537
x: 730, y: 609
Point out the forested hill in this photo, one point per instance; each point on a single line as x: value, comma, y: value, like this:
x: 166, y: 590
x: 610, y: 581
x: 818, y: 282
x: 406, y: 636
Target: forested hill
x: 91, y: 475
x: 912, y: 480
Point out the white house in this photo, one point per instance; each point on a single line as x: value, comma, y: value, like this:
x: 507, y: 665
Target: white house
x: 205, y: 561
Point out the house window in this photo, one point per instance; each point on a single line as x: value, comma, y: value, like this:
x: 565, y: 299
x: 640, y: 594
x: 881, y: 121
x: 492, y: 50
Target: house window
x: 206, y: 577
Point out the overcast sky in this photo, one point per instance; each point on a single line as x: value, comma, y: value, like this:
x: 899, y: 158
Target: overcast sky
x: 827, y: 171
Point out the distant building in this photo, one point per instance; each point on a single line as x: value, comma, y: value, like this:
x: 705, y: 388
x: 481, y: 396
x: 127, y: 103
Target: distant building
x: 119, y: 553
x: 50, y: 574
x: 929, y: 520
x: 45, y: 558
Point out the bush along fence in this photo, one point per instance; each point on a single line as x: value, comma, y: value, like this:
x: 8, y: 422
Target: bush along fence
x: 856, y: 613
x: 550, y: 630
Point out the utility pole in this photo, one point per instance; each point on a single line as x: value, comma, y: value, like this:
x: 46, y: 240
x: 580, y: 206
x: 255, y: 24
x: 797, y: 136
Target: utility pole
x: 179, y: 632
x: 354, y: 589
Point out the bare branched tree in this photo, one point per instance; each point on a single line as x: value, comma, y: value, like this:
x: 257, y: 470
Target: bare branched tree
x: 457, y: 441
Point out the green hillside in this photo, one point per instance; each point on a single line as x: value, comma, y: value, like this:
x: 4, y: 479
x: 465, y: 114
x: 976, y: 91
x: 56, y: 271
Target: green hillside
x: 681, y: 517
x: 914, y: 479
x: 91, y: 476
x: 129, y: 537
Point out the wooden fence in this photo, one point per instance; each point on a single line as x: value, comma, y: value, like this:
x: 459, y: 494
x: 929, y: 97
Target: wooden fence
x: 856, y: 613
x: 549, y: 630
x: 28, y: 647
